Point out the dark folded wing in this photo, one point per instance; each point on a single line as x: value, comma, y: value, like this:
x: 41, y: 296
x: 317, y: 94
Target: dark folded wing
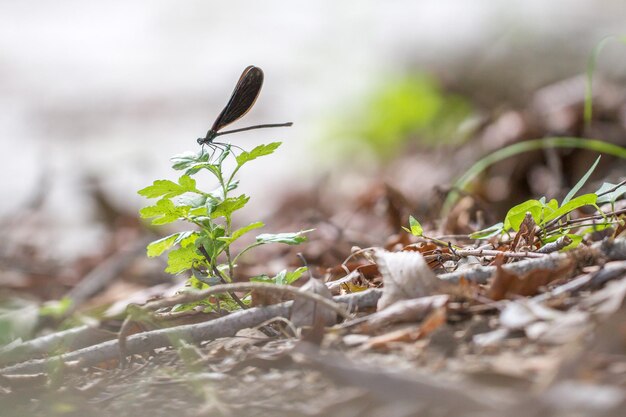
x: 241, y: 101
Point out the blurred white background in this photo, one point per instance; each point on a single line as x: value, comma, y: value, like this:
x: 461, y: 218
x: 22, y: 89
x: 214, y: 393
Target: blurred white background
x: 112, y: 89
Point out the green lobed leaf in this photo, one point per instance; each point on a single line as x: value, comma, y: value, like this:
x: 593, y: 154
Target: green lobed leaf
x: 583, y: 200
x: 193, y: 169
x: 488, y: 232
x: 189, y: 159
x: 552, y: 205
x: 576, y: 241
x: 416, y: 228
x: 229, y: 205
x: 56, y: 308
x: 195, y: 283
x: 159, y: 246
x: 164, y: 211
x: 191, y: 163
x: 257, y: 152
x: 182, y: 259
x: 292, y: 276
x: 211, y: 242
x: 288, y: 238
x: 516, y: 214
x: 580, y: 182
x: 187, y: 183
x: 159, y: 188
x: 192, y: 200
x: 241, y: 231
x: 284, y: 277
x: 169, y: 189
x: 198, y: 212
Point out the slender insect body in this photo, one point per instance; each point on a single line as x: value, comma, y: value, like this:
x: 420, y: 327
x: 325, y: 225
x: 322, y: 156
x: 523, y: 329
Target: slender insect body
x: 210, y: 135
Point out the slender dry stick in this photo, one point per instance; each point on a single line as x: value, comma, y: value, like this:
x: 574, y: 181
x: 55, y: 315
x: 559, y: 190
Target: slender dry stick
x: 555, y: 246
x: 483, y: 252
x: 610, y: 190
x: 223, y: 327
x: 188, y: 297
x: 550, y: 228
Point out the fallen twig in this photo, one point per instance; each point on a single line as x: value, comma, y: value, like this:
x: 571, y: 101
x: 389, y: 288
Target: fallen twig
x: 75, y: 338
x: 555, y: 246
x: 192, y: 333
x: 483, y: 252
x: 191, y: 296
x: 554, y: 226
x: 414, y: 309
x: 610, y: 249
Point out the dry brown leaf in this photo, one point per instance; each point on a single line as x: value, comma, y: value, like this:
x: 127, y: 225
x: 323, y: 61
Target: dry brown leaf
x: 506, y: 284
x: 422, y: 247
x: 434, y: 254
x: 517, y: 315
x: 434, y: 320
x: 311, y: 316
x: 544, y: 324
x: 405, y: 275
x: 607, y: 300
x: 526, y: 236
x: 431, y: 323
x: 566, y: 329
x: 383, y: 342
x: 353, y: 282
x: 368, y: 270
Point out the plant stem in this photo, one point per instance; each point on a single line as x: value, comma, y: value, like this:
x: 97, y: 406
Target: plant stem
x: 254, y: 245
x: 221, y: 277
x: 227, y: 250
x: 225, y: 187
x: 549, y: 229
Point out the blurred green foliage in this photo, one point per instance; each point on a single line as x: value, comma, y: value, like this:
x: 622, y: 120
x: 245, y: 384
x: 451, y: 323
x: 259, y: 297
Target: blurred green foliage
x: 412, y: 108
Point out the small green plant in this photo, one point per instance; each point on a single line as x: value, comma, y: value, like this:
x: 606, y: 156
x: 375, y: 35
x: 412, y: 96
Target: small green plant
x: 552, y: 217
x: 404, y: 109
x: 205, y: 251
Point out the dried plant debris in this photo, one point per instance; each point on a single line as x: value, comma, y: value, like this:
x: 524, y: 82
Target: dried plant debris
x: 405, y: 275
x: 310, y: 316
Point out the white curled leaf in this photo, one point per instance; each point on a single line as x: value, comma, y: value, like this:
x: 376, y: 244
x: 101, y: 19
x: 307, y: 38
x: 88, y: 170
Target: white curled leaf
x: 406, y: 275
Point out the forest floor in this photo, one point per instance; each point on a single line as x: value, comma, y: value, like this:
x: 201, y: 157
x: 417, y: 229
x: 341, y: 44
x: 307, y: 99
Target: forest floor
x: 432, y: 321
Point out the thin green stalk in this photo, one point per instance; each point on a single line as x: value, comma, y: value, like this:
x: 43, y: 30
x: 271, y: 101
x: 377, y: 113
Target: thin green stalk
x: 227, y: 249
x: 254, y: 245
x: 591, y: 68
x: 530, y: 145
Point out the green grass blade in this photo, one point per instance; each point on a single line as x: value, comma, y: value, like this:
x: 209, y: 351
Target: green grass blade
x: 580, y: 183
x: 527, y: 146
x: 591, y: 68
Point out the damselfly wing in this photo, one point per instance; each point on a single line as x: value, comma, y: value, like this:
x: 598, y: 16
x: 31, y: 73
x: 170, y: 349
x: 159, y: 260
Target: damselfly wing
x: 241, y: 101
